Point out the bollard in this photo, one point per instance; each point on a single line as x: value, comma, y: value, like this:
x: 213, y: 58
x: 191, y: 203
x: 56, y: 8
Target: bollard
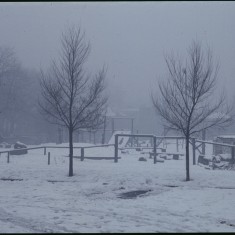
x: 49, y: 158
x: 8, y: 157
x: 82, y: 154
x: 45, y: 151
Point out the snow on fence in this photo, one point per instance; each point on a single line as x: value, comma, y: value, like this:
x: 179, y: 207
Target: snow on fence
x: 193, y: 141
x: 195, y: 147
x: 82, y: 157
x: 154, y: 137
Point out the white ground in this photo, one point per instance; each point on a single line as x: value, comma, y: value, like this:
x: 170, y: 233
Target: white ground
x: 89, y: 202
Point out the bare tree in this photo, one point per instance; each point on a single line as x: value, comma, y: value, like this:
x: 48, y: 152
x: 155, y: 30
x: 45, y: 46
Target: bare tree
x: 8, y: 67
x: 69, y: 98
x: 186, y: 100
x: 8, y: 61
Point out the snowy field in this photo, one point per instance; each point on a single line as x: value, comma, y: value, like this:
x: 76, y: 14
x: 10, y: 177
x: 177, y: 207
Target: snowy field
x: 42, y: 198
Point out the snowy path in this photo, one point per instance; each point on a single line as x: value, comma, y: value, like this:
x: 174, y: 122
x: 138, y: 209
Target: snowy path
x: 46, y: 200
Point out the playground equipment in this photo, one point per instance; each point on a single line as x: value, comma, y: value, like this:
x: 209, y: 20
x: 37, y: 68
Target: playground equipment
x: 152, y: 137
x: 123, y: 140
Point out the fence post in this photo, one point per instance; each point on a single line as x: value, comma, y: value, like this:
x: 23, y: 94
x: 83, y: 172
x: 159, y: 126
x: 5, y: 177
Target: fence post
x: 194, y: 151
x: 49, y: 158
x: 177, y: 145
x: 116, y: 149
x: 203, y: 144
x: 45, y: 151
x: 155, y: 149
x: 82, y: 154
x: 154, y: 159
x: 233, y: 155
x: 8, y: 157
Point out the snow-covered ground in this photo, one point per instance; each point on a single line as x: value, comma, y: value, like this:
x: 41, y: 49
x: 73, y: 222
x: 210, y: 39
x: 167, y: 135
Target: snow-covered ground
x: 42, y: 198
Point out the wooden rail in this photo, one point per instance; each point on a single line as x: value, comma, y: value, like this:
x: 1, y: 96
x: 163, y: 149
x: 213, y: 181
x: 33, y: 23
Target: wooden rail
x: 58, y: 147
x: 214, y: 143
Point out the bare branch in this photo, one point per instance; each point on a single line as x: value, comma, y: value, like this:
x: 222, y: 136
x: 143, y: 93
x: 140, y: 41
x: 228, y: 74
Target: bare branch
x: 185, y: 99
x: 69, y: 97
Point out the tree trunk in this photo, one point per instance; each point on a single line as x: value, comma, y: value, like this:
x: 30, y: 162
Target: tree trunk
x: 187, y: 158
x: 70, y: 151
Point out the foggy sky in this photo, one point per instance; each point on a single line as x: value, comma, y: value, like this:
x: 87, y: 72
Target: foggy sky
x: 130, y: 38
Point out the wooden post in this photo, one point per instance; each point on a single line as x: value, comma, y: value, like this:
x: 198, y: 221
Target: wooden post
x: 154, y: 159
x: 132, y: 131
x: 82, y: 154
x: 194, y: 151
x: 49, y: 158
x: 177, y: 145
x: 203, y: 144
x: 45, y: 151
x: 112, y: 125
x: 233, y: 155
x: 116, y: 149
x: 155, y: 149
x: 8, y: 157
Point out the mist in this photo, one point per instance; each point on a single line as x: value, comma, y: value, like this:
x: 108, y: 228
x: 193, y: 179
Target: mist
x: 117, y: 117
x: 131, y: 39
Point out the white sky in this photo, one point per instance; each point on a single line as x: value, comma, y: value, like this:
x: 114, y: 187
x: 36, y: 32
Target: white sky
x: 131, y: 38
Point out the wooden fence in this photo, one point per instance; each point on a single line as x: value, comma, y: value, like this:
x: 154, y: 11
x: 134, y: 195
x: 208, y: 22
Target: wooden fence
x: 193, y: 142
x: 82, y: 157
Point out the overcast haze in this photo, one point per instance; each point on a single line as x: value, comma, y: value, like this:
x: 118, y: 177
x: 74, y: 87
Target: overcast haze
x: 131, y: 38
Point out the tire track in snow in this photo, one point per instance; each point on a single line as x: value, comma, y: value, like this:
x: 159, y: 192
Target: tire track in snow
x: 34, y: 226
